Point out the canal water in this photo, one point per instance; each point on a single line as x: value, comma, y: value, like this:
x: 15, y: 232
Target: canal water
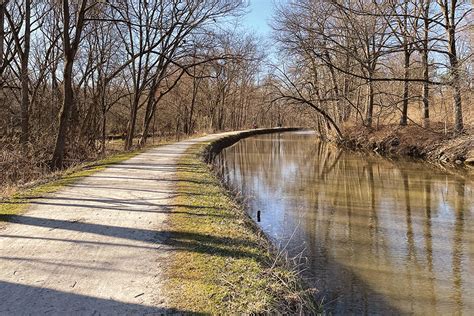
x: 375, y: 236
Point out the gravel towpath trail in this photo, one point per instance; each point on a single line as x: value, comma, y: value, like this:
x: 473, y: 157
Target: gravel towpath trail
x: 97, y: 246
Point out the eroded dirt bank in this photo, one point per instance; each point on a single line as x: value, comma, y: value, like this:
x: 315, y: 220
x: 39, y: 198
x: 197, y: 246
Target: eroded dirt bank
x: 433, y: 145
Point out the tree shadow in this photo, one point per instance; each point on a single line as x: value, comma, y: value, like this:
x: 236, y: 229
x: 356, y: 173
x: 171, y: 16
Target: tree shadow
x: 13, y: 238
x: 113, y: 204
x: 89, y: 186
x: 105, y: 176
x: 175, y: 240
x: 343, y: 292
x: 18, y: 299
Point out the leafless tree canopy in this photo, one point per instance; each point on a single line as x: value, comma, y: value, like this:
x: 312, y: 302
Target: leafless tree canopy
x: 364, y: 61
x: 78, y: 75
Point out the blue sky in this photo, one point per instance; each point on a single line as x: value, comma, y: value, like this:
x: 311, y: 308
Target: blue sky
x: 260, y: 14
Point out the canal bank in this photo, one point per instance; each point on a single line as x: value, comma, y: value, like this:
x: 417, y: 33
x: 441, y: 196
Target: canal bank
x: 434, y: 145
x: 207, y: 210
x: 225, y: 262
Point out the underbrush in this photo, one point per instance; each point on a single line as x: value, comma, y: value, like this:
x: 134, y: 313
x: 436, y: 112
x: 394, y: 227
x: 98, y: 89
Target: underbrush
x: 25, y: 166
x: 20, y: 165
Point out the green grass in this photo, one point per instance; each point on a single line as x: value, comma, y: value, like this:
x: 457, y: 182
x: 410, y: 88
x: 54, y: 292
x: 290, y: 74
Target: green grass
x: 223, y: 264
x: 18, y: 203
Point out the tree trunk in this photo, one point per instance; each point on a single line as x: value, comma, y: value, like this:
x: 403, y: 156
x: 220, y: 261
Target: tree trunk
x: 64, y: 116
x: 190, y: 128
x: 103, y: 134
x: 2, y: 32
x: 25, y: 82
x: 370, y: 102
x: 25, y: 101
x: 426, y: 102
x: 406, y: 69
x: 104, y: 118
x: 456, y: 82
x: 406, y: 75
x: 131, y: 124
x: 458, y: 119
x: 449, y: 11
x: 335, y: 88
x: 424, y: 61
x: 150, y: 110
x: 70, y: 50
x: 151, y: 107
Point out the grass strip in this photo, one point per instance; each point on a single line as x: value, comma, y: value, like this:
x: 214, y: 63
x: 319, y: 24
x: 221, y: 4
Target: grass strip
x: 224, y: 264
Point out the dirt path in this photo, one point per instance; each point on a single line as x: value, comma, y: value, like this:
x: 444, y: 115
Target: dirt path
x: 97, y: 246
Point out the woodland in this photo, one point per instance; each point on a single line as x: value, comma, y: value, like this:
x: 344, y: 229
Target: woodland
x: 83, y: 79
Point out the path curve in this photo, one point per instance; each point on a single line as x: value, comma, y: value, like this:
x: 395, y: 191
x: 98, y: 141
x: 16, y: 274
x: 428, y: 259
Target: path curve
x: 97, y: 246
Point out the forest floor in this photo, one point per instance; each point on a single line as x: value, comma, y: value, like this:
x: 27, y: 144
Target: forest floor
x: 149, y: 235
x: 436, y: 144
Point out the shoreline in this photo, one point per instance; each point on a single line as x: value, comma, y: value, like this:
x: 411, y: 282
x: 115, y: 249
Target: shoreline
x: 414, y: 142
x: 216, y: 146
x: 243, y: 272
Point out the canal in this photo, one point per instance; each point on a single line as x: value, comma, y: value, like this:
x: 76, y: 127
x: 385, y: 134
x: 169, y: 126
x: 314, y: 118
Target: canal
x: 374, y: 236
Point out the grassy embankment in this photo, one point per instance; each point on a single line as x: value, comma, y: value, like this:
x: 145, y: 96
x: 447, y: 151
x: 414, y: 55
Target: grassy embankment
x: 224, y: 263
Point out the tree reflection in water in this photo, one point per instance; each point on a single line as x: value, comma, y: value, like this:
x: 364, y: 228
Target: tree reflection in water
x: 380, y: 236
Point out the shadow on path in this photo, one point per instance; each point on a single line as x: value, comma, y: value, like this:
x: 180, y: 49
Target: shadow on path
x: 213, y: 245
x: 18, y: 299
x: 113, y: 204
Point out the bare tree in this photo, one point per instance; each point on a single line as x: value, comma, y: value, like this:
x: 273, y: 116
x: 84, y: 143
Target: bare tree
x: 22, y: 46
x: 357, y: 45
x: 73, y: 19
x: 449, y: 9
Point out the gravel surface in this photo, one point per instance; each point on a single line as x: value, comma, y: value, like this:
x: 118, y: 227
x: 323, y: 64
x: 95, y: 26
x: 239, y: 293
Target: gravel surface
x: 97, y: 246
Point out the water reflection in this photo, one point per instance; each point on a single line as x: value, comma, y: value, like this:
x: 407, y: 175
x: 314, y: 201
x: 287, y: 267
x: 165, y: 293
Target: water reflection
x: 380, y: 236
